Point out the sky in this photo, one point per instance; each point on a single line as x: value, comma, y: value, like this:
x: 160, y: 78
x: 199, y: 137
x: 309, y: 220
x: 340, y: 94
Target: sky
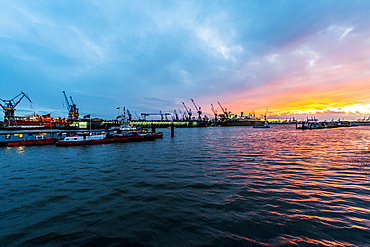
x: 291, y: 58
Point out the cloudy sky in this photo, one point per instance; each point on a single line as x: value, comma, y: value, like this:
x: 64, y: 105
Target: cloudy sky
x: 292, y: 57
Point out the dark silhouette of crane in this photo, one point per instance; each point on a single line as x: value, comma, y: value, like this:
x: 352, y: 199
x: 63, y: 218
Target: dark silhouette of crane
x: 176, y: 115
x: 265, y: 116
x: 9, y: 106
x: 224, y: 110
x: 199, y: 110
x: 188, y: 110
x: 214, y: 111
x: 182, y: 114
x: 73, y: 114
x: 163, y: 115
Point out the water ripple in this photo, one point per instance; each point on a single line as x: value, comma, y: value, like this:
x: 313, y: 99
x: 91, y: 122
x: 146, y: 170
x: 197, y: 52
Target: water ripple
x: 205, y: 187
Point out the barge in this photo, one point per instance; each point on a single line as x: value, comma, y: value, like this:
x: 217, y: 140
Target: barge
x: 72, y: 137
x: 88, y: 139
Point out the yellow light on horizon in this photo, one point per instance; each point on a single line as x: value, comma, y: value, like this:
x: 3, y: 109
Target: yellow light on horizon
x: 356, y: 108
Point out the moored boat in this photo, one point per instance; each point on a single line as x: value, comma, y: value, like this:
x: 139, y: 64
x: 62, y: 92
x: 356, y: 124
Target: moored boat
x: 26, y: 138
x: 88, y: 138
x: 263, y: 125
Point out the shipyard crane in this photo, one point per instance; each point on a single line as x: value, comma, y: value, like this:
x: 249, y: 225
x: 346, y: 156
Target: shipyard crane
x: 123, y: 115
x: 9, y: 106
x: 198, y: 108
x: 176, y: 115
x: 214, y: 111
x: 182, y: 114
x: 72, y: 108
x: 188, y: 110
x: 163, y: 115
x: 265, y: 116
x: 224, y: 110
x: 137, y: 117
x: 129, y: 115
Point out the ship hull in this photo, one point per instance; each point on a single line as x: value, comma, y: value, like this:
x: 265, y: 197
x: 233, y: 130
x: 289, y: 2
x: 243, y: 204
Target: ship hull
x: 241, y: 122
x: 110, y: 140
x: 46, y: 141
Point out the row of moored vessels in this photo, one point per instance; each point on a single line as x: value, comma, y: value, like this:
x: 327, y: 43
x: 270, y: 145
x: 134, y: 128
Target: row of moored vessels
x: 120, y: 134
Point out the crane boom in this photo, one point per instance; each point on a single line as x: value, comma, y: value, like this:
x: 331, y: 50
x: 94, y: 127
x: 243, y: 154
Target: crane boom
x: 214, y: 111
x: 9, y: 106
x: 65, y: 97
x: 223, y: 110
x: 188, y: 111
x: 265, y: 117
x: 72, y: 108
x: 198, y: 108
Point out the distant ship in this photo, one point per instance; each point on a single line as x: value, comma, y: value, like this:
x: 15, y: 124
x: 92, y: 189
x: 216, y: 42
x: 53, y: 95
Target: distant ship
x: 36, y: 121
x: 240, y: 122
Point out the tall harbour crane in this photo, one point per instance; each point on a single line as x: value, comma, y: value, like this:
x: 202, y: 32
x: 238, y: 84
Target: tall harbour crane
x: 72, y: 108
x: 176, y: 115
x: 214, y: 111
x: 182, y: 114
x: 224, y: 110
x: 9, y: 106
x: 188, y: 110
x: 198, y: 108
x: 265, y: 116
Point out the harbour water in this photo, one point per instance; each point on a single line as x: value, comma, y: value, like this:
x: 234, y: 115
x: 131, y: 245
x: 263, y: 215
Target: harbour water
x: 220, y: 186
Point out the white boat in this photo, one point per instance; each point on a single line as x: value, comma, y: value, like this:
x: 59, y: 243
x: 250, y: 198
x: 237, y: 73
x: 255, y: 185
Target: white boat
x: 127, y: 127
x: 81, y: 138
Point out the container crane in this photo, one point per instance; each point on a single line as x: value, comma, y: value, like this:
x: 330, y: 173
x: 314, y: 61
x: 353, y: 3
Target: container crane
x: 188, y: 111
x: 9, y: 106
x: 72, y: 108
x: 198, y: 108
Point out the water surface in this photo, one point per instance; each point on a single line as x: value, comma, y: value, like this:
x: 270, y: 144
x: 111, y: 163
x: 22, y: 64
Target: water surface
x: 222, y: 186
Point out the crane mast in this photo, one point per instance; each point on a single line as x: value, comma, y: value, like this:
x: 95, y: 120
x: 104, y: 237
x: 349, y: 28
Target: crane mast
x: 214, y: 111
x: 224, y: 110
x: 72, y: 108
x: 9, y: 106
x: 265, y: 117
x: 188, y: 111
x: 198, y: 108
x: 176, y: 115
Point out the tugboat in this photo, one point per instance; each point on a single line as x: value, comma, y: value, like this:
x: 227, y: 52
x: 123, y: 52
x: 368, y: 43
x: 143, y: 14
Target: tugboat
x: 264, y: 124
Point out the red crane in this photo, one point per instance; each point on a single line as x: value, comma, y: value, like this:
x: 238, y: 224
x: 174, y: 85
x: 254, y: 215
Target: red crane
x: 224, y: 110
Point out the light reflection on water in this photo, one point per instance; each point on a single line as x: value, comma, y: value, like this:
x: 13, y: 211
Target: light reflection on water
x: 207, y: 186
